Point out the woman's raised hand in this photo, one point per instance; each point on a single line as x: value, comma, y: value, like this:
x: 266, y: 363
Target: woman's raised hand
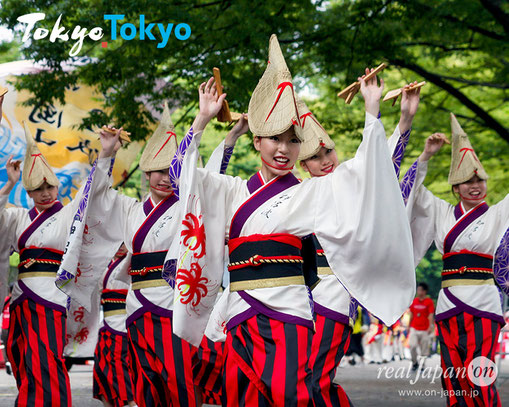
x: 210, y: 102
x: 433, y: 144
x: 371, y: 92
x: 110, y: 142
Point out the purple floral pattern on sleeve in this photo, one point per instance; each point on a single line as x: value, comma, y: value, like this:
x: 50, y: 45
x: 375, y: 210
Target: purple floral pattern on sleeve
x: 353, y: 308
x: 399, y: 151
x: 170, y: 272
x: 228, y: 151
x: 408, y: 181
x: 111, y: 166
x: 176, y: 162
x: 501, y: 264
x: 86, y: 191
x: 64, y: 275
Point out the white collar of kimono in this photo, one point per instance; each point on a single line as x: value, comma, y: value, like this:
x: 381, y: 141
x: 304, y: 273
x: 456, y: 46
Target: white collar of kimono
x: 464, y: 211
x: 264, y: 182
x: 261, y: 177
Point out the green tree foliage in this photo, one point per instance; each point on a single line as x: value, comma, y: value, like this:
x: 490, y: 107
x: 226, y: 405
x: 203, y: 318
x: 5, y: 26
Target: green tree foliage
x: 460, y: 47
x: 232, y: 35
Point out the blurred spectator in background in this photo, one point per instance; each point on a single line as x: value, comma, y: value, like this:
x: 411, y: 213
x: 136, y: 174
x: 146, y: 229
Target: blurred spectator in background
x: 422, y: 324
x: 5, y: 330
x: 359, y: 329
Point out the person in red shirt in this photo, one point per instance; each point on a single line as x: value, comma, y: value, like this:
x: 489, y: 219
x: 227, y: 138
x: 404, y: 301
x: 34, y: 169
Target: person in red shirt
x: 5, y: 330
x: 422, y: 324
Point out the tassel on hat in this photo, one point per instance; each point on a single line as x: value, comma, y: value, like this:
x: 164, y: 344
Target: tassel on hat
x: 464, y: 161
x: 161, y: 147
x: 36, y: 170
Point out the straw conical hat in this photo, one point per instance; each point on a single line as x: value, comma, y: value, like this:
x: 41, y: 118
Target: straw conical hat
x: 273, y: 107
x: 36, y: 169
x: 464, y: 161
x: 315, y: 136
x: 161, y: 147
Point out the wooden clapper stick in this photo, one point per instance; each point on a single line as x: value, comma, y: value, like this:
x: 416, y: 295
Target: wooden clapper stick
x: 349, y: 92
x: 394, y: 94
x: 224, y: 115
x: 124, y: 135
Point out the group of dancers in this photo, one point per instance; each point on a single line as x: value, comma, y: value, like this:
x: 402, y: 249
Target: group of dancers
x: 301, y: 256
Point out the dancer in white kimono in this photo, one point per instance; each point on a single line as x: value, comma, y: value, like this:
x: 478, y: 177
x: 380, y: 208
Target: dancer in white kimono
x: 357, y: 208
x: 160, y: 361
x: 335, y: 310
x: 468, y: 311
x: 37, y: 332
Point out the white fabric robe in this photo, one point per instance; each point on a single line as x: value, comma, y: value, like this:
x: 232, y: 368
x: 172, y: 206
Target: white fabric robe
x: 51, y: 234
x: 81, y: 332
x: 120, y: 217
x: 432, y: 218
x: 330, y: 293
x: 356, y: 213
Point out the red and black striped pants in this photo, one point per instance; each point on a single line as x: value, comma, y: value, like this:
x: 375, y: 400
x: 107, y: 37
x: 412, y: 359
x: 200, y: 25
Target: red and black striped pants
x: 112, y: 381
x: 208, y: 365
x: 35, y: 349
x: 266, y: 364
x: 330, y: 343
x: 464, y: 337
x: 160, y: 362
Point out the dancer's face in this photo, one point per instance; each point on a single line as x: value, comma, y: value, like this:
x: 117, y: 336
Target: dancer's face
x: 421, y: 292
x: 278, y: 153
x: 160, y: 185
x: 471, y: 192
x: 44, y: 197
x: 322, y: 163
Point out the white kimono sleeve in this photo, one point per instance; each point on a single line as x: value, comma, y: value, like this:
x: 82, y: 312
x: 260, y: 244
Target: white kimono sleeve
x: 8, y: 223
x: 360, y: 221
x: 9, y: 218
x: 206, y: 206
x: 216, y: 158
x: 502, y: 214
x: 96, y: 234
x: 424, y: 210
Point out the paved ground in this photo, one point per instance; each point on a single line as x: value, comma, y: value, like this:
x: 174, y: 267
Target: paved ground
x: 366, y: 385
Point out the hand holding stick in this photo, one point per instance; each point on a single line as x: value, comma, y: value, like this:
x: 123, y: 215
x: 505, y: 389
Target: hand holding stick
x: 124, y: 135
x: 394, y: 94
x: 349, y: 92
x: 224, y: 114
